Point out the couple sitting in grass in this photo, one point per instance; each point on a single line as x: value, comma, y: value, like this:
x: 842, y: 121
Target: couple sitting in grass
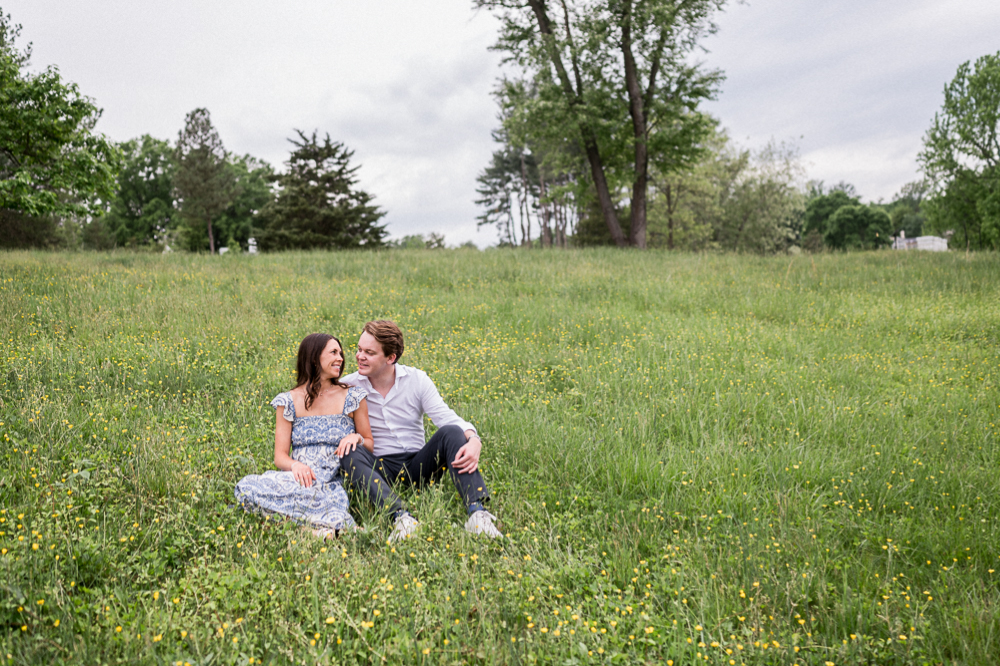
x: 367, y: 427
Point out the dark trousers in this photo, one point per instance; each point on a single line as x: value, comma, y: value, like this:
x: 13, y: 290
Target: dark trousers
x: 374, y: 477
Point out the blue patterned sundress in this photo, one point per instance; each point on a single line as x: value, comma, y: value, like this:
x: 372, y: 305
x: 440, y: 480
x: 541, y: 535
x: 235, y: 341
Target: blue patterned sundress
x: 324, y: 505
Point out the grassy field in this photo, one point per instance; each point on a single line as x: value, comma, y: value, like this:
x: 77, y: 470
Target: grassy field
x: 696, y: 459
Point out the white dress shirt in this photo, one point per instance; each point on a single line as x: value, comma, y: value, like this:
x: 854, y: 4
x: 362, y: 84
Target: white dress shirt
x: 397, y: 420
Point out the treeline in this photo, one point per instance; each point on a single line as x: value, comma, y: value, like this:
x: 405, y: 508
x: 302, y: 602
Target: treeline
x: 602, y: 142
x: 64, y: 185
x: 730, y: 199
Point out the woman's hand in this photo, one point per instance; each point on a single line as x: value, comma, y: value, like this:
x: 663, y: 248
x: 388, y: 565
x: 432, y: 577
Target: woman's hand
x: 348, y: 443
x: 303, y: 474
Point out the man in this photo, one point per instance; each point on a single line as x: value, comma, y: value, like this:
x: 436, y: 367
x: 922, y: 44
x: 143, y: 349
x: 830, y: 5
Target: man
x: 398, y: 398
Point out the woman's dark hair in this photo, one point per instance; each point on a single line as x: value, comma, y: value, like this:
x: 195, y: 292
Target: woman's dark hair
x: 310, y: 349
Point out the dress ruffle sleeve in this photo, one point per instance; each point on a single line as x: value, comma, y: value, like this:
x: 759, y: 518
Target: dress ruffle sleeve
x: 355, y: 395
x: 285, y: 400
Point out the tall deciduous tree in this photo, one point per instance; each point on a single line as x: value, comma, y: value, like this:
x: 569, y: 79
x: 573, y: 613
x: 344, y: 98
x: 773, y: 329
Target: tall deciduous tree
x: 858, y: 227
x: 615, y: 77
x: 143, y: 205
x: 820, y: 207
x: 52, y: 162
x: 203, y: 181
x: 733, y: 199
x: 254, y: 189
x: 961, y: 156
x: 318, y: 204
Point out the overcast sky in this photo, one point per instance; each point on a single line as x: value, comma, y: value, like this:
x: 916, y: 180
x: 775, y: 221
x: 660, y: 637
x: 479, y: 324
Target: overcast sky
x: 853, y: 83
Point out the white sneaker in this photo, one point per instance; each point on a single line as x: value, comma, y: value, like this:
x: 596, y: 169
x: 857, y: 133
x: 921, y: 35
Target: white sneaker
x: 404, y: 528
x: 481, y: 522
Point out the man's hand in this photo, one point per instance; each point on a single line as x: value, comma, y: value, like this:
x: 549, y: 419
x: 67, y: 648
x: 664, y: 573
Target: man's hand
x: 467, y: 459
x: 303, y: 474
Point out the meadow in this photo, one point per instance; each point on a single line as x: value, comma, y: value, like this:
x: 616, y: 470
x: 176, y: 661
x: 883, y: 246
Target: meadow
x: 695, y: 459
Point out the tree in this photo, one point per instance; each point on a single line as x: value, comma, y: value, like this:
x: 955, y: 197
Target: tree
x: 614, y: 77
x: 53, y: 166
x: 203, y: 182
x: 858, y: 227
x: 143, y: 206
x: 253, y: 181
x: 686, y: 205
x: 318, y: 204
x: 761, y: 207
x: 732, y: 199
x: 906, y: 209
x: 961, y: 156
x: 821, y: 204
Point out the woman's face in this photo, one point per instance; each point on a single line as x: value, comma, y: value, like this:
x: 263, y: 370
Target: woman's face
x: 331, y: 361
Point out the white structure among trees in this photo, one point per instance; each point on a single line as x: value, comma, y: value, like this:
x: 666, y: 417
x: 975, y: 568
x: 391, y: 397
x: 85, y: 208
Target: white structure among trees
x: 931, y: 243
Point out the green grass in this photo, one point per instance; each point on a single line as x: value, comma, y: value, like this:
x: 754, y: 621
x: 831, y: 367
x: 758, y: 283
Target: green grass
x: 696, y: 458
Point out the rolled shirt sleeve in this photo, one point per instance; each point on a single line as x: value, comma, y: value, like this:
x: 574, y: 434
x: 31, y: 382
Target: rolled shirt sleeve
x: 435, y: 407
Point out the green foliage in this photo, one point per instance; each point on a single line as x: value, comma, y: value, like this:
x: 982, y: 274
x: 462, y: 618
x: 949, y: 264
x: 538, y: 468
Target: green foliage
x: 761, y: 209
x: 689, y: 454
x: 819, y: 209
x: 906, y: 210
x: 539, y: 179
x: 961, y: 156
x: 858, y: 227
x: 143, y: 208
x: 608, y: 84
x: 432, y: 241
x: 686, y: 204
x: 318, y: 204
x: 204, y: 182
x: 52, y: 164
x: 510, y: 180
x: 254, y: 189
x: 734, y: 200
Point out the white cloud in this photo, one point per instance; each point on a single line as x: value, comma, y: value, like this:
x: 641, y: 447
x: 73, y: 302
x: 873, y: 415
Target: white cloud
x: 855, y: 84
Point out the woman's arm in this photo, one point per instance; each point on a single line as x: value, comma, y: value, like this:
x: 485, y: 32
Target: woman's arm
x: 283, y: 446
x: 364, y: 426
x: 362, y: 430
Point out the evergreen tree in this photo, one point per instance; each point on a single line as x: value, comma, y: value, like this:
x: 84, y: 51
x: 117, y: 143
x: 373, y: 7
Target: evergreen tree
x: 318, y: 205
x: 203, y: 182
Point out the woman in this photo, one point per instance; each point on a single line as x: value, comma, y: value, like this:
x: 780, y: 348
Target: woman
x: 318, y: 421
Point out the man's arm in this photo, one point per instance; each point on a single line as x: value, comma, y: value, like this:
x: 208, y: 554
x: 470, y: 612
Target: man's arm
x: 467, y: 458
x: 439, y: 412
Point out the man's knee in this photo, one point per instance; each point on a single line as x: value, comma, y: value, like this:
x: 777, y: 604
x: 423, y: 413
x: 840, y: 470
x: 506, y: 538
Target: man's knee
x: 453, y: 435
x: 359, y: 458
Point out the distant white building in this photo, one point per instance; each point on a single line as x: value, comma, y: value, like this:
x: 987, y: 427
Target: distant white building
x: 930, y: 243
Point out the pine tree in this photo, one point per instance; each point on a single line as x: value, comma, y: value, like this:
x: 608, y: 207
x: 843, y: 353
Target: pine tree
x: 203, y: 182
x: 318, y: 205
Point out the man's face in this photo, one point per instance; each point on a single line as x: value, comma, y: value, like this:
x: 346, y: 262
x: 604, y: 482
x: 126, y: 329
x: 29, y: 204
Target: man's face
x: 371, y: 359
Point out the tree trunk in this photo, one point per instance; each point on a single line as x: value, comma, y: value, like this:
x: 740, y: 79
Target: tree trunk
x: 544, y: 220
x: 670, y: 217
x: 587, y: 134
x: 637, y: 234
x: 525, y: 231
x: 211, y: 238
